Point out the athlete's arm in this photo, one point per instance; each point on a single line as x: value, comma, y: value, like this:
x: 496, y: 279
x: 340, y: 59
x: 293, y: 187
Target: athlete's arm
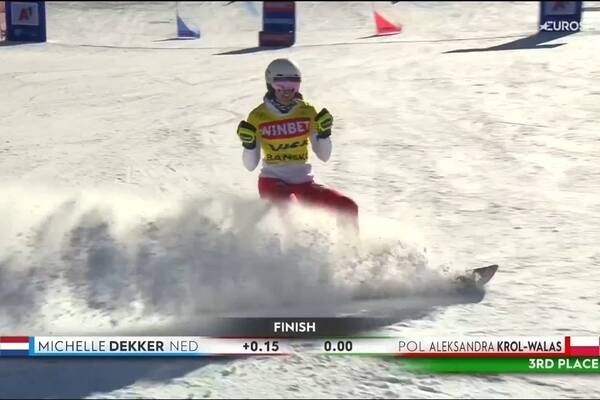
x: 321, y: 146
x: 251, y: 157
x: 249, y: 137
x: 321, y: 141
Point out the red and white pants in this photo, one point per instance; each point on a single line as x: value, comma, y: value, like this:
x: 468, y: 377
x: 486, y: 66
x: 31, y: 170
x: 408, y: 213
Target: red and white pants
x: 310, y: 193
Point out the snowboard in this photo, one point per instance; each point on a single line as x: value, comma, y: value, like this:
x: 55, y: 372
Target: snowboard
x: 477, y: 277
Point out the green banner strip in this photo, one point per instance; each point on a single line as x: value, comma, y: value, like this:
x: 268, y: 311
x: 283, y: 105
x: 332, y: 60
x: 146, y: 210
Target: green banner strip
x: 498, y: 365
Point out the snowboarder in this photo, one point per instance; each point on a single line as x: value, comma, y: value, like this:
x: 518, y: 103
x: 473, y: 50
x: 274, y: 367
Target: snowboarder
x: 283, y: 126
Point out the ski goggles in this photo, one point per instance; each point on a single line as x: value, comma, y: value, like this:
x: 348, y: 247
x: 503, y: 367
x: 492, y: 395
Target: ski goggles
x: 287, y: 78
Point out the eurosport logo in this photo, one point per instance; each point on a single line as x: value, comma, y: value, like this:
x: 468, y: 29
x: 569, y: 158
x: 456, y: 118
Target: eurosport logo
x: 566, y: 26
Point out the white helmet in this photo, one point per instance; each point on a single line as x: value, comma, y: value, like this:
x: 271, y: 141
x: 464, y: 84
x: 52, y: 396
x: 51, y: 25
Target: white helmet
x: 282, y: 68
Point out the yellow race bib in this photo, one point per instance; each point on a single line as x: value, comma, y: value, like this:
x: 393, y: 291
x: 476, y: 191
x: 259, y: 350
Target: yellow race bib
x: 284, y: 138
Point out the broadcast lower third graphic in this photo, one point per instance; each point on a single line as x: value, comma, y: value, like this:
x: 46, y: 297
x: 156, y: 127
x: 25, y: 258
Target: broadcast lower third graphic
x: 565, y: 346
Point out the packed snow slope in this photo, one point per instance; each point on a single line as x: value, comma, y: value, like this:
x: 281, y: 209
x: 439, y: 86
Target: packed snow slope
x: 125, y: 207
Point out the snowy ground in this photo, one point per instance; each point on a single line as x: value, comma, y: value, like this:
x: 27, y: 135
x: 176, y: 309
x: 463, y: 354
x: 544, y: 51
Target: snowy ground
x: 125, y: 206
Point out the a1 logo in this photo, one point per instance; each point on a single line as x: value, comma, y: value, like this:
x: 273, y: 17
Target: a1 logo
x: 25, y: 14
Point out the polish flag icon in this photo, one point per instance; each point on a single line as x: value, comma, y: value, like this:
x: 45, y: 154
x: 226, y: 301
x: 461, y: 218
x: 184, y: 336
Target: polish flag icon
x: 585, y: 346
x: 385, y: 27
x: 14, y: 346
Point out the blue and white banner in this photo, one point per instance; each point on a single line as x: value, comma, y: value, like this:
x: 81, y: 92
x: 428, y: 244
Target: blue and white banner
x: 560, y: 16
x: 26, y: 21
x: 138, y: 346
